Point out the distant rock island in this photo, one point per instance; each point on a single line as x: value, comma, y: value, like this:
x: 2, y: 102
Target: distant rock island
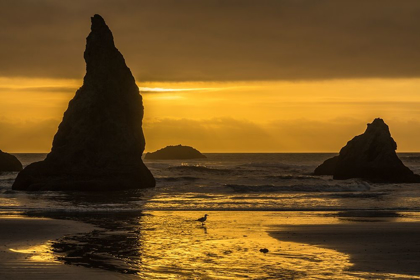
x: 100, y: 142
x: 9, y: 162
x: 175, y: 152
x: 369, y: 156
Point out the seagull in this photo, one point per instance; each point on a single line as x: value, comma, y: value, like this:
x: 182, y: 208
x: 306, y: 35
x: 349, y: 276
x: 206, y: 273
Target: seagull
x: 203, y: 219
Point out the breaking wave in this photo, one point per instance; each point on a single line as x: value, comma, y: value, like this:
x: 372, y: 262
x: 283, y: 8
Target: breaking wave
x: 293, y: 177
x: 354, y: 187
x: 200, y: 168
x: 175, y: 179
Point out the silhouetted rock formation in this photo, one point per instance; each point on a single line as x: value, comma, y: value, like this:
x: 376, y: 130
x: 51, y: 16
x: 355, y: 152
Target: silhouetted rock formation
x: 175, y: 152
x: 369, y: 156
x: 100, y: 142
x: 9, y: 162
x: 328, y: 167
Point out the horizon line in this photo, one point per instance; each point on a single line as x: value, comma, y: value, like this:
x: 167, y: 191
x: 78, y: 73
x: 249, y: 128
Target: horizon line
x: 274, y: 152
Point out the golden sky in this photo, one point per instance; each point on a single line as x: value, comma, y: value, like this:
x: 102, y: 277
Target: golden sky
x: 222, y: 76
x: 257, y: 116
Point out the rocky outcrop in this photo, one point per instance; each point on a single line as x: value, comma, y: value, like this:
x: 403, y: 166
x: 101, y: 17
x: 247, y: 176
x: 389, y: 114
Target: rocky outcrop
x: 9, y: 162
x: 175, y: 152
x: 369, y: 156
x: 100, y: 141
x: 328, y: 167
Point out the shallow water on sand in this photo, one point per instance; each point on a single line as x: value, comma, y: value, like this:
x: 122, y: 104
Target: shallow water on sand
x: 228, y: 247
x: 173, y: 245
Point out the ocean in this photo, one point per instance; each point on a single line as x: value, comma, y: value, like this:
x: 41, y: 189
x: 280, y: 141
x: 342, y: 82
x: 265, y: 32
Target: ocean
x: 224, y: 182
x: 153, y: 233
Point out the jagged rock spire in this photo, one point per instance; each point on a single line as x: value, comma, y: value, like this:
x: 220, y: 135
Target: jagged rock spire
x: 100, y: 142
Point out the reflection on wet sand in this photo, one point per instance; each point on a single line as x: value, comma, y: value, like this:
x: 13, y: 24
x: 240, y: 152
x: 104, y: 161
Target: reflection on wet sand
x: 114, y: 245
x: 380, y: 244
x: 39, y: 253
x: 174, y: 245
x: 27, y: 250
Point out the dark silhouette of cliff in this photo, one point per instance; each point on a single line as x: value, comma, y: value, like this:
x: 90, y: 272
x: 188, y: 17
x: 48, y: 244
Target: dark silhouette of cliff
x: 175, y: 152
x: 369, y: 156
x: 100, y: 142
x: 9, y: 162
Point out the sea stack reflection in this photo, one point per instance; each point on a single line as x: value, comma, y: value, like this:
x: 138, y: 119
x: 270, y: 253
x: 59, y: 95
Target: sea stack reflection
x: 100, y: 141
x: 369, y: 156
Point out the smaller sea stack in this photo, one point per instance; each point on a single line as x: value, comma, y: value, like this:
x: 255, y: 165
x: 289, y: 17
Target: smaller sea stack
x: 9, y: 162
x: 370, y: 156
x: 175, y: 152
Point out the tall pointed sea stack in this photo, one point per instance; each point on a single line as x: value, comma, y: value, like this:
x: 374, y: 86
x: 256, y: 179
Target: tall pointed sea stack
x: 100, y: 141
x: 369, y: 156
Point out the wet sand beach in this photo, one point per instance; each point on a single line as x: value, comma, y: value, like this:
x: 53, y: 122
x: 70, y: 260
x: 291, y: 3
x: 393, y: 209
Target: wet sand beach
x: 25, y: 251
x: 372, y: 246
x: 173, y: 245
x: 228, y: 246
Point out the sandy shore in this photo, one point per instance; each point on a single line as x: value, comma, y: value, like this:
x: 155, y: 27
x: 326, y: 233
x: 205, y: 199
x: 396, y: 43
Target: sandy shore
x: 375, y: 247
x: 172, y: 244
x: 25, y: 252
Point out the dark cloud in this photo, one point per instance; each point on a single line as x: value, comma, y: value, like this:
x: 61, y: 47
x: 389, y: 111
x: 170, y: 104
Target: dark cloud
x: 177, y: 40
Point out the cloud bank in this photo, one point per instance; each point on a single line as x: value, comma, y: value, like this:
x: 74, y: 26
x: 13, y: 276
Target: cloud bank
x: 225, y: 134
x: 213, y: 40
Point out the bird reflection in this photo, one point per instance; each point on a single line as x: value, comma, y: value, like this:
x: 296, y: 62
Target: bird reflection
x: 204, y: 229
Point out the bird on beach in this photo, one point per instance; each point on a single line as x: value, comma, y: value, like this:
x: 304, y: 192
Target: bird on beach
x: 202, y: 219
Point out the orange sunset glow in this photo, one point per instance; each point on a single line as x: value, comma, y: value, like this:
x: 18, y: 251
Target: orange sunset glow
x: 209, y: 139
x: 257, y: 116
x: 267, y: 81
